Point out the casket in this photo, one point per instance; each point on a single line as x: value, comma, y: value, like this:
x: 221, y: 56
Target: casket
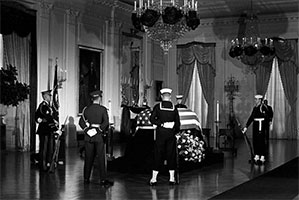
x: 188, y: 119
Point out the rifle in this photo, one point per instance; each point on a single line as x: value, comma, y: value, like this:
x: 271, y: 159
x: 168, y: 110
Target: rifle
x: 247, y: 141
x: 56, y: 152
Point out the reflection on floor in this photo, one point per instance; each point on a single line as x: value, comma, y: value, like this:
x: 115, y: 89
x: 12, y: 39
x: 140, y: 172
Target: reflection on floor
x: 21, y: 180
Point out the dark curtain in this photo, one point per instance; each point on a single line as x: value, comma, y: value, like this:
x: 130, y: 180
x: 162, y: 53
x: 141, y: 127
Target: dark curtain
x: 287, y: 54
x: 288, y: 68
x: 204, y: 55
x: 18, y: 19
x: 263, y: 74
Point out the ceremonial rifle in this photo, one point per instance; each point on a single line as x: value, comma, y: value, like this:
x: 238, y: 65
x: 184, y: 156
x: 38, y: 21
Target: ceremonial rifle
x: 56, y: 152
x: 247, y: 141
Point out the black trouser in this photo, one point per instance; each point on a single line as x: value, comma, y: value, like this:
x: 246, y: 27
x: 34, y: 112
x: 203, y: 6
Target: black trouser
x: 165, y: 144
x: 95, y: 150
x: 258, y: 139
x: 45, y: 150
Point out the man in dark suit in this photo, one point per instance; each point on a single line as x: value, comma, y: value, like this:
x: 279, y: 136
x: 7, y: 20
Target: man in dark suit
x: 94, y: 121
x: 46, y: 127
x: 166, y: 117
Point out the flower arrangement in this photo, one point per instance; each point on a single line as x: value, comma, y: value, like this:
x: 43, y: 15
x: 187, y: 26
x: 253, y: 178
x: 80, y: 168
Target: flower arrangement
x: 190, y: 147
x: 12, y: 91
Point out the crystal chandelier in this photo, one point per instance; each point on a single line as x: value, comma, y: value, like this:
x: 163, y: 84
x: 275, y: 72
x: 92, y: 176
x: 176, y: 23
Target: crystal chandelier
x: 165, y: 21
x: 251, y: 49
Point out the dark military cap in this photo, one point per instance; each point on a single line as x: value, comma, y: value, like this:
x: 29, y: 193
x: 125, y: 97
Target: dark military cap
x: 97, y: 93
x: 47, y: 92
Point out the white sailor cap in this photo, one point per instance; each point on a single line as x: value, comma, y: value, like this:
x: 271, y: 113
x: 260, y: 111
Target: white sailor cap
x: 165, y: 90
x: 258, y: 96
x: 179, y: 96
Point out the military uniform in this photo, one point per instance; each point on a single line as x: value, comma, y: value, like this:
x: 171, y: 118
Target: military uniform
x: 165, y: 143
x: 179, y: 104
x: 259, y: 119
x: 46, y: 127
x: 94, y: 119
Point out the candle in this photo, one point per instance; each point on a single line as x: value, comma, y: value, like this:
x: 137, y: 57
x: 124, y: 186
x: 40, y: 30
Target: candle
x: 135, y: 6
x: 161, y: 3
x: 217, y: 111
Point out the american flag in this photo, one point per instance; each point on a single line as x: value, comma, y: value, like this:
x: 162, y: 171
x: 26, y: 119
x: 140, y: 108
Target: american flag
x: 188, y: 119
x: 55, y: 100
x: 143, y: 118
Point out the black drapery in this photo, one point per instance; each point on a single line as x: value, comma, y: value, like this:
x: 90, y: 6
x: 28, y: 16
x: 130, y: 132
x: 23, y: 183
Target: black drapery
x: 17, y: 18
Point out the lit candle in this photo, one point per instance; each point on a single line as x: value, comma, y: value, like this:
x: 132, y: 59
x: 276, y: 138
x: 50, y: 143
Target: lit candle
x: 217, y: 111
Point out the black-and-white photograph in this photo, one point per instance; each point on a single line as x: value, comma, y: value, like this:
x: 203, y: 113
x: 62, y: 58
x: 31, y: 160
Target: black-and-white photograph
x: 149, y: 99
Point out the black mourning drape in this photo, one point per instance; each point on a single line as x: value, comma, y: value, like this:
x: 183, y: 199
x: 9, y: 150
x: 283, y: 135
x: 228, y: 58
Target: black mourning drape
x: 16, y: 18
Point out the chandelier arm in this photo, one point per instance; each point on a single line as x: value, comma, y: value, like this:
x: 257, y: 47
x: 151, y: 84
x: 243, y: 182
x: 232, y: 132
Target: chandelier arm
x: 165, y: 21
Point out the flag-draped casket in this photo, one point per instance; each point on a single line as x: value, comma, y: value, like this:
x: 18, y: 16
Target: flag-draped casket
x: 188, y: 119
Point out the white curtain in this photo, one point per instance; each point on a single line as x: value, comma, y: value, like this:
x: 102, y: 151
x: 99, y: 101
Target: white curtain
x: 276, y: 98
x: 196, y: 100
x: 17, y: 53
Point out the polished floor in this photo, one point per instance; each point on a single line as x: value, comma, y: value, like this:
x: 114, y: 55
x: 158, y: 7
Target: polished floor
x: 21, y: 180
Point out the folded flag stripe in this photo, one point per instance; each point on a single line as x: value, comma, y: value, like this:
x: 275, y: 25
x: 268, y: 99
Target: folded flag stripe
x: 188, y: 119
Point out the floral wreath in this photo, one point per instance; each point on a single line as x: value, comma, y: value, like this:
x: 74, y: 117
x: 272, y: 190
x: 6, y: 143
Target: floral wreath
x: 190, y: 147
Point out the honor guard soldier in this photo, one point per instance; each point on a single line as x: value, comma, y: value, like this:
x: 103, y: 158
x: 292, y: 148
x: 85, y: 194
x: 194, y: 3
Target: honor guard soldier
x: 259, y: 118
x: 94, y: 121
x: 166, y: 117
x: 179, y: 104
x: 46, y: 128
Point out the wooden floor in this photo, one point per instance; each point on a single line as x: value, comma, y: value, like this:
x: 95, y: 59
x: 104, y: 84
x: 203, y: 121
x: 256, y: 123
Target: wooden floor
x: 21, y: 180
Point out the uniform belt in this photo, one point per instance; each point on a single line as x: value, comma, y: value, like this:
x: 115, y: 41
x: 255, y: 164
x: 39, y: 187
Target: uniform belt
x: 95, y: 125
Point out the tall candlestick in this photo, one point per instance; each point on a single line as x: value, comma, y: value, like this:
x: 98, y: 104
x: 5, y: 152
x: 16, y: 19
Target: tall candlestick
x: 217, y: 111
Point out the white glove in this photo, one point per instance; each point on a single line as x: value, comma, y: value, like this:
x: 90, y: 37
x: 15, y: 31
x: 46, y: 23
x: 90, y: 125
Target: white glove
x: 168, y: 124
x: 244, y: 130
x: 39, y: 120
x: 92, y: 132
x: 59, y: 132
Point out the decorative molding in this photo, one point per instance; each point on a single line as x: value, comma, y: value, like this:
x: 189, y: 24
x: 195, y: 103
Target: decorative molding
x: 45, y: 7
x: 117, y: 4
x: 262, y: 19
x: 72, y: 12
x: 71, y: 15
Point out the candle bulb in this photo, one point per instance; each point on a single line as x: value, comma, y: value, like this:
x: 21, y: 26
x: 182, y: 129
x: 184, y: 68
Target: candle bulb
x: 217, y: 111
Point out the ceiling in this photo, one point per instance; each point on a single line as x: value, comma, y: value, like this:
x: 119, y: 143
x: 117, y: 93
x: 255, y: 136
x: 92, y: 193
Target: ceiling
x: 235, y: 8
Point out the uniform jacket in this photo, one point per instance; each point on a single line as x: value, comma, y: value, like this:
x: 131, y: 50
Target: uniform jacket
x: 94, y: 114
x: 165, y: 111
x: 44, y: 112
